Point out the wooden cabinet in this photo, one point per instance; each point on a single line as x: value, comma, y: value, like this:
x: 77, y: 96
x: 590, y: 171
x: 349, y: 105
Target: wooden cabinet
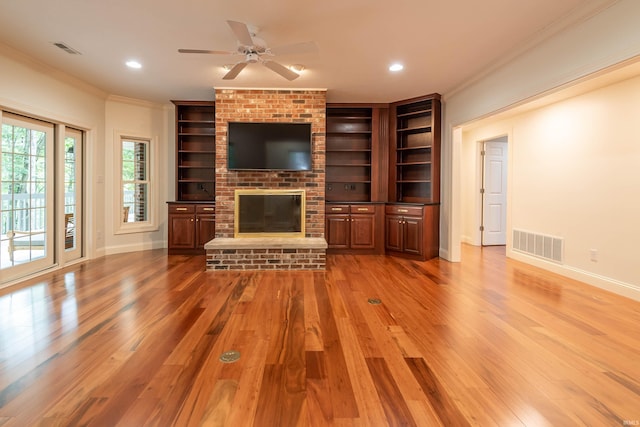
x: 195, y: 150
x: 414, y: 178
x: 191, y: 225
x: 412, y: 230
x: 354, y: 227
x: 191, y: 220
x: 353, y: 152
x: 414, y: 175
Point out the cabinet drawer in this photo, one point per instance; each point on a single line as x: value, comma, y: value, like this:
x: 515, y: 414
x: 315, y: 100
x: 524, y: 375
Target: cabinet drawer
x: 182, y: 208
x: 404, y: 210
x: 361, y: 209
x: 205, y: 209
x: 336, y: 209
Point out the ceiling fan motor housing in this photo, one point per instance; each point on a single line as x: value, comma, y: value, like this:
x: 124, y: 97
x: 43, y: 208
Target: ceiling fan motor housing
x: 252, y: 57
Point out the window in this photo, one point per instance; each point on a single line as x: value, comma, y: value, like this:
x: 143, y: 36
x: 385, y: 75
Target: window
x: 136, y: 192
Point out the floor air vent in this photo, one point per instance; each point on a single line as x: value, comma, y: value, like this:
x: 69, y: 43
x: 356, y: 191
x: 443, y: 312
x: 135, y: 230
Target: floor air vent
x: 540, y: 245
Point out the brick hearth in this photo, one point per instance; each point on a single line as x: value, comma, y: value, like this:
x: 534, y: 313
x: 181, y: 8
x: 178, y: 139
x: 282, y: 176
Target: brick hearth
x: 266, y: 254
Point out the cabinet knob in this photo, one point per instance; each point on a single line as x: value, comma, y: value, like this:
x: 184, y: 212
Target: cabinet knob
x: 191, y: 220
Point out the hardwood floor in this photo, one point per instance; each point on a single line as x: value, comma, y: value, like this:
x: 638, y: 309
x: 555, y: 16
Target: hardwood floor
x: 135, y: 339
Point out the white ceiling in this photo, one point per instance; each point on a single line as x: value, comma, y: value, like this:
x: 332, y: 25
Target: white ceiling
x: 442, y: 43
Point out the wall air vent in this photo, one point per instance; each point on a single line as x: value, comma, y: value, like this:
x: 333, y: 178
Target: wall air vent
x: 67, y: 48
x: 539, y: 245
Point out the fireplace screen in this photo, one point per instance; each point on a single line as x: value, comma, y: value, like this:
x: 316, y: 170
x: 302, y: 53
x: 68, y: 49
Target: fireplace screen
x: 269, y: 213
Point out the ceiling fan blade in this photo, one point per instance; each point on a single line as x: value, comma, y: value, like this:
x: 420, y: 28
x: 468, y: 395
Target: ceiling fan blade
x: 215, y: 52
x: 234, y: 71
x: 281, y: 69
x: 242, y: 32
x: 304, y: 47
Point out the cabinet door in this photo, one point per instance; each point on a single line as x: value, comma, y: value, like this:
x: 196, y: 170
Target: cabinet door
x: 363, y: 231
x: 337, y: 230
x: 412, y: 236
x: 206, y: 229
x: 182, y: 231
x: 393, y: 230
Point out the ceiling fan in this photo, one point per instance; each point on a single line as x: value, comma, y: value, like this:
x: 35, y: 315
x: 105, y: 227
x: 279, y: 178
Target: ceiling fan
x: 254, y: 49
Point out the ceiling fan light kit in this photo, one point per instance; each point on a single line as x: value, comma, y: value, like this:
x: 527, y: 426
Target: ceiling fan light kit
x: 254, y: 50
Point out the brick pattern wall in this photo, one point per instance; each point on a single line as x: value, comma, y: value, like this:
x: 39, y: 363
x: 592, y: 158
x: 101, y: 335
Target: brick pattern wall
x: 266, y: 259
x: 271, y: 105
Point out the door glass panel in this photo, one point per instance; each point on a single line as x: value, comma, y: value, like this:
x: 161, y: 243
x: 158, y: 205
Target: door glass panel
x: 73, y: 161
x: 27, y: 201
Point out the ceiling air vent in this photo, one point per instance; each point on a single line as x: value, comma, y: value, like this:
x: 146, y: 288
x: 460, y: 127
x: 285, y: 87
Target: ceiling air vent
x: 66, y: 48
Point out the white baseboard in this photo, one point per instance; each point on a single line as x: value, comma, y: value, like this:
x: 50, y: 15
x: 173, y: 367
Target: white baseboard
x: 145, y: 246
x: 468, y: 239
x: 624, y: 289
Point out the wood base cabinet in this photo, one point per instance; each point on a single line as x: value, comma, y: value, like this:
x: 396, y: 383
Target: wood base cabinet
x: 353, y: 228
x: 412, y: 230
x: 191, y: 225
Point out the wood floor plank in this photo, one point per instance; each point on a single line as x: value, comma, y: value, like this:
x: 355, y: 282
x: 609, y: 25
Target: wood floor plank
x: 341, y: 391
x: 438, y: 397
x: 245, y: 402
x: 219, y: 405
x: 370, y: 410
x: 313, y: 331
x: 284, y: 382
x: 393, y: 403
x: 135, y: 339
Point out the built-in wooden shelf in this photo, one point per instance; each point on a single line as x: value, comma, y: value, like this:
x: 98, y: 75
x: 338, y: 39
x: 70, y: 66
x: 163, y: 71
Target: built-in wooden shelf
x: 195, y: 150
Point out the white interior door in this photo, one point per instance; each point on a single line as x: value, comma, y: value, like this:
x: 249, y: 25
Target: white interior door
x: 494, y: 196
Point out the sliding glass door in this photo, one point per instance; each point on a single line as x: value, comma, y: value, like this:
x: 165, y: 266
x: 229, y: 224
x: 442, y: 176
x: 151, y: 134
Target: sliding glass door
x: 26, y: 185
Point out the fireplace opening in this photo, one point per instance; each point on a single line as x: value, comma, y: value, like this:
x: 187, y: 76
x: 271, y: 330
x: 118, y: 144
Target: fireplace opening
x: 269, y: 213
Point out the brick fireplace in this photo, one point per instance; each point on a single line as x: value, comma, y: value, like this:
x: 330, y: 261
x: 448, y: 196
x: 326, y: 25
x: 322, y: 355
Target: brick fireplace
x: 270, y: 105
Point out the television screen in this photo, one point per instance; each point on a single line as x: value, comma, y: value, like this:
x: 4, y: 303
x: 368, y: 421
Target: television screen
x: 269, y: 146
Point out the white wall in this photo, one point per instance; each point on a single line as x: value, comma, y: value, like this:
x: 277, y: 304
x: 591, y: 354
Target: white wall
x: 608, y: 38
x: 33, y: 89
x: 135, y: 118
x: 574, y: 173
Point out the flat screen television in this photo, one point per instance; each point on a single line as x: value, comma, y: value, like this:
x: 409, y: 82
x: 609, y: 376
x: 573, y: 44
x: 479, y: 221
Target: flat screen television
x: 269, y: 146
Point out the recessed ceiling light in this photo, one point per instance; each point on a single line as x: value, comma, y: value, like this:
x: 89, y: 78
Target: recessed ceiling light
x: 396, y: 67
x: 134, y: 64
x: 298, y: 68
